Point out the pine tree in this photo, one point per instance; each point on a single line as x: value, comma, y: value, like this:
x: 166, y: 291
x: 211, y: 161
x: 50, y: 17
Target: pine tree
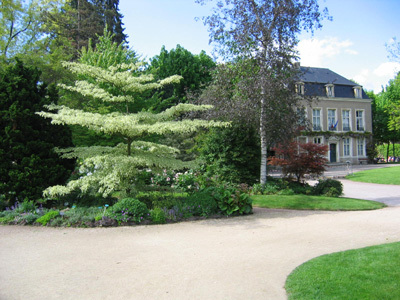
x: 28, y: 163
x: 108, y: 169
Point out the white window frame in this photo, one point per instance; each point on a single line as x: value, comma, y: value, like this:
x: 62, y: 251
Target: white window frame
x: 315, y: 128
x: 360, y: 147
x: 343, y: 118
x: 360, y: 121
x: 346, y: 147
x: 357, y: 92
x: 317, y: 140
x: 330, y: 90
x: 332, y: 120
x: 299, y: 88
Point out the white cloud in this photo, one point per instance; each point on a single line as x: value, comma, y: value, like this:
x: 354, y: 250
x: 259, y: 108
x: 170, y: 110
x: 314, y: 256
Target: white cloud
x: 313, y: 52
x: 362, y: 77
x: 378, y: 78
x: 387, y: 69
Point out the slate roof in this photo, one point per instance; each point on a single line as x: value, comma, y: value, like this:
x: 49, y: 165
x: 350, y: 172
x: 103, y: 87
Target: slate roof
x: 315, y: 80
x: 322, y: 75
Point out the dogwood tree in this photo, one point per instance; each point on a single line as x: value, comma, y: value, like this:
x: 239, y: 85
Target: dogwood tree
x: 108, y: 169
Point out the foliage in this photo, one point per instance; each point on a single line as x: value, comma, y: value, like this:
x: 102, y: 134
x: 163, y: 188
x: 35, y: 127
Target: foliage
x: 298, y: 159
x: 28, y: 162
x: 111, y: 169
x: 328, y: 187
x: 232, y: 200
x: 160, y: 199
x: 77, y: 216
x: 232, y: 153
x: 47, y: 217
x: 185, y: 182
x: 203, y: 203
x: 194, y: 69
x: 263, y: 36
x: 20, y: 25
x: 280, y: 186
x: 309, y: 202
x: 367, y: 273
x: 157, y: 216
x: 128, y: 209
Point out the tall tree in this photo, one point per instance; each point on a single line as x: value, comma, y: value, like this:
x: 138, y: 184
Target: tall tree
x: 109, y: 169
x: 28, y: 162
x: 265, y: 32
x: 194, y: 68
x: 20, y: 25
x: 113, y: 19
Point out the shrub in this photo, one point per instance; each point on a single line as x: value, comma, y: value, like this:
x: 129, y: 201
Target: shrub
x: 324, y: 187
x: 311, y: 159
x: 47, y: 217
x: 231, y: 201
x: 25, y: 206
x: 128, y: 209
x: 79, y: 215
x: 157, y: 216
x: 160, y: 199
x: 29, y: 218
x: 202, y: 203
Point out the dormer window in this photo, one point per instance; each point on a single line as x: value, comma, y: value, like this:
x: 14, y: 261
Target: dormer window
x: 330, y: 91
x: 300, y: 88
x: 357, y: 92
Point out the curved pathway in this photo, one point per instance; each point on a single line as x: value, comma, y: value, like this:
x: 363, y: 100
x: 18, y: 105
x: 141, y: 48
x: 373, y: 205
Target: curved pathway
x: 236, y: 258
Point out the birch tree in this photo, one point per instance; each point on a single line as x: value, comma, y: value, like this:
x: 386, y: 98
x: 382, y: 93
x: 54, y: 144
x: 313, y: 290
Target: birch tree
x: 264, y: 32
x: 108, y: 169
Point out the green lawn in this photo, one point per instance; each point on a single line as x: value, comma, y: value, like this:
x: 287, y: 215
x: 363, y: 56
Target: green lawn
x: 389, y: 175
x: 313, y: 202
x: 368, y: 273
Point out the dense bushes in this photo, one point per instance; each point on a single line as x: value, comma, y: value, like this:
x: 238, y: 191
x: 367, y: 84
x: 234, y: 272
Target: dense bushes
x: 128, y: 209
x: 326, y: 187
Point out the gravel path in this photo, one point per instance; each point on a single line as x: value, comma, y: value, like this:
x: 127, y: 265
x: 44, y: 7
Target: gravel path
x: 236, y: 258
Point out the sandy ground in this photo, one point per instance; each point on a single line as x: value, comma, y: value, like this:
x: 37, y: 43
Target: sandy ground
x: 236, y: 258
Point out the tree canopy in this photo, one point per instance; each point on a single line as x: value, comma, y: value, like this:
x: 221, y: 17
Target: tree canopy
x: 195, y: 70
x: 28, y: 162
x: 262, y: 35
x: 109, y: 169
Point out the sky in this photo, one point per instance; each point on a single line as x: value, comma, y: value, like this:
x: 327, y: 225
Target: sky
x: 353, y: 44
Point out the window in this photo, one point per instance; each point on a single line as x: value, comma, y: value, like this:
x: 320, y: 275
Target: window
x: 346, y: 147
x: 357, y: 92
x: 330, y: 91
x: 332, y: 123
x: 300, y: 88
x: 316, y: 119
x: 318, y: 140
x: 360, y: 120
x: 360, y: 147
x: 346, y: 120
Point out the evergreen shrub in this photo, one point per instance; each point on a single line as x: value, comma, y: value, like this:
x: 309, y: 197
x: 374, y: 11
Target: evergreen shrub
x: 328, y: 187
x: 128, y: 209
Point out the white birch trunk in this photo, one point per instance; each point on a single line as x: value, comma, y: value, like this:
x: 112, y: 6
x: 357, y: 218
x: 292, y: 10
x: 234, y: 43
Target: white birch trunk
x: 264, y: 144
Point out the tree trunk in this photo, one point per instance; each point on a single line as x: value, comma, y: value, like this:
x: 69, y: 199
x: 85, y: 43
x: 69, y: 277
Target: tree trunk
x: 394, y: 150
x: 264, y: 144
x: 387, y: 152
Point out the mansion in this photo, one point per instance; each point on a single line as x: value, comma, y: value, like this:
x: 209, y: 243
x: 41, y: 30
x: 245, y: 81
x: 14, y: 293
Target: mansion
x: 340, y: 117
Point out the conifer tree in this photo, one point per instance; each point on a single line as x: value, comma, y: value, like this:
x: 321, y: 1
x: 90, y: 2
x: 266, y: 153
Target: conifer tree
x: 28, y: 163
x: 108, y: 169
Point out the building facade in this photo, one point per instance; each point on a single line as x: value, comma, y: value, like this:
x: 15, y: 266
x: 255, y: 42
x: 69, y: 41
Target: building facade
x: 339, y: 117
